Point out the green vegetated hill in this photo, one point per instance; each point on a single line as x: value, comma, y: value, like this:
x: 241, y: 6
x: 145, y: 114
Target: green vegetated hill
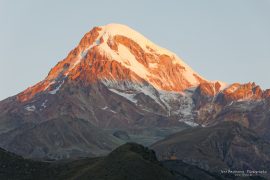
x: 128, y: 162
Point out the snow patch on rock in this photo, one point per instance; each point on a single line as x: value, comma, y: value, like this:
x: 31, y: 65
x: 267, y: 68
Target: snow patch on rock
x: 128, y: 96
x: 57, y: 88
x: 190, y: 123
x: 104, y: 108
x: 43, y: 105
x: 153, y: 65
x: 30, y: 108
x: 178, y: 104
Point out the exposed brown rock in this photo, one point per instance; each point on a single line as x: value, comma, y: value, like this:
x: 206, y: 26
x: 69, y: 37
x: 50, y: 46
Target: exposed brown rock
x: 266, y: 93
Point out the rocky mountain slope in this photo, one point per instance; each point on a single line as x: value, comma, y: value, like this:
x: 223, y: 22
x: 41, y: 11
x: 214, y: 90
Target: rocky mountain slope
x: 116, y: 80
x: 227, y: 145
x: 61, y: 138
x: 246, y: 103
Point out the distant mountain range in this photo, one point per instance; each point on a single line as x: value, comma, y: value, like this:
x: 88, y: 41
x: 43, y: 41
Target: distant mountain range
x: 117, y: 86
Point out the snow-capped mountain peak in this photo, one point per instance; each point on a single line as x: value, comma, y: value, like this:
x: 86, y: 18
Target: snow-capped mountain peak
x: 116, y: 52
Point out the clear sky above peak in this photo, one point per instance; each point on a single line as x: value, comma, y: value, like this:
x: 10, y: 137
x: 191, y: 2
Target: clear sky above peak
x: 221, y: 40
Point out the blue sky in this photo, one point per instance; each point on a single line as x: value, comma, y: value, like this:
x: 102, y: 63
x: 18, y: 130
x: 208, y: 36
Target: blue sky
x: 226, y: 40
